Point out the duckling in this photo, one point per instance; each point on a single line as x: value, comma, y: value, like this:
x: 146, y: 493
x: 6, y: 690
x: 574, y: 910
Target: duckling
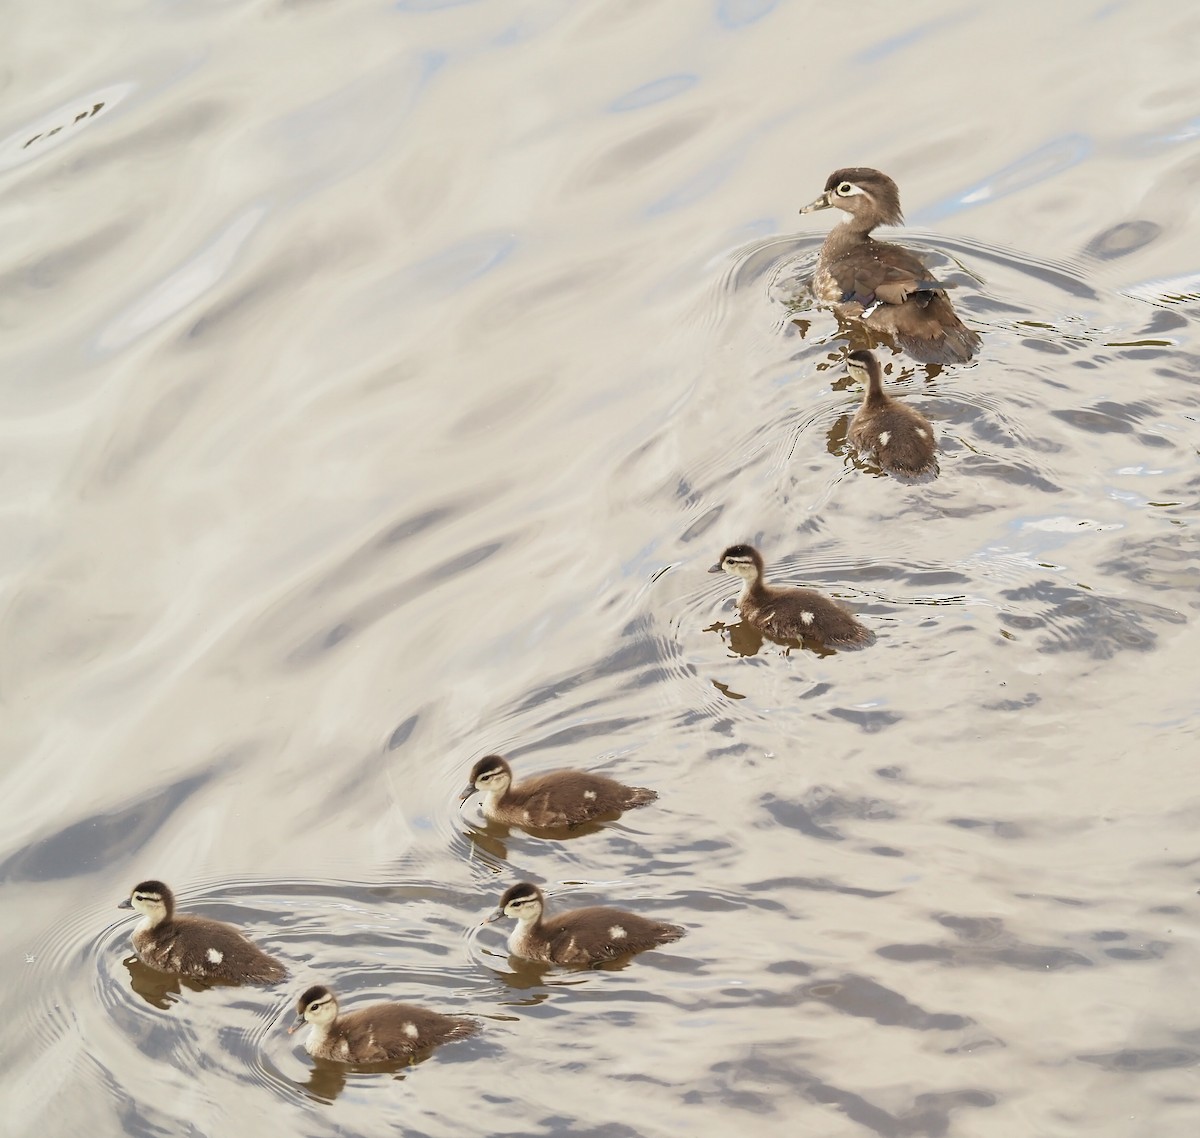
x: 884, y: 285
x: 582, y: 936
x: 373, y: 1034
x: 899, y: 437
x: 786, y: 612
x: 555, y: 799
x: 194, y: 946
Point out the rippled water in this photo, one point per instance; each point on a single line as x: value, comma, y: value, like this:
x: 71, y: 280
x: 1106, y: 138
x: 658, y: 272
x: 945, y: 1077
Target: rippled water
x: 379, y: 381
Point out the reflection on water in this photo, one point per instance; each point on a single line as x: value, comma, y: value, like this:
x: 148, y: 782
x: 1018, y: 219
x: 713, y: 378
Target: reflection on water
x: 378, y: 382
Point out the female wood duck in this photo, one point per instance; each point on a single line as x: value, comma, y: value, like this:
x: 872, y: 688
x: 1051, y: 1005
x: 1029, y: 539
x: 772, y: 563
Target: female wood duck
x: 195, y: 946
x: 885, y: 286
x: 787, y: 612
x: 898, y: 437
x: 582, y: 936
x: 553, y: 800
x: 374, y: 1034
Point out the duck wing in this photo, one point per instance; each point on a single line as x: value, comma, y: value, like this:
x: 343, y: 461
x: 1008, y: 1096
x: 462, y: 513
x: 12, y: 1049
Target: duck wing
x: 888, y: 283
x: 212, y: 949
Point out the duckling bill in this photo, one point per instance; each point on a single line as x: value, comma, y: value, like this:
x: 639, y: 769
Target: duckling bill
x: 557, y: 799
x: 378, y: 1033
x: 884, y: 285
x: 198, y: 947
x: 785, y: 612
x: 579, y: 937
x: 899, y: 437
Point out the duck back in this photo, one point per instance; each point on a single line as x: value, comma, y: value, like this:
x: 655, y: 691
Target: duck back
x: 797, y: 614
x: 389, y: 1031
x: 205, y: 950
x: 596, y: 934
x: 569, y: 798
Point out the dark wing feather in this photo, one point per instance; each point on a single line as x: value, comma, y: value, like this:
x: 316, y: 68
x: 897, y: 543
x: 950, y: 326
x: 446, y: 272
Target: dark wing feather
x: 889, y: 283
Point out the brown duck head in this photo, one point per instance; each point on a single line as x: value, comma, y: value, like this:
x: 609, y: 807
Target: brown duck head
x: 871, y: 198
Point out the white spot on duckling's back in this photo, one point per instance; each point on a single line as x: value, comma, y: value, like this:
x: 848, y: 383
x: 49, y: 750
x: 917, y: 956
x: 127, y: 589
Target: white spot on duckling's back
x: 410, y: 1029
x: 884, y: 438
x: 589, y: 794
x: 921, y: 434
x: 215, y: 956
x: 617, y: 932
x: 807, y: 618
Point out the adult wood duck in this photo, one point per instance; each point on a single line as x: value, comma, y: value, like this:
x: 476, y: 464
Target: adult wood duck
x: 374, y: 1034
x: 581, y: 936
x: 884, y: 285
x: 556, y: 799
x: 898, y: 437
x: 198, y: 947
x: 785, y: 612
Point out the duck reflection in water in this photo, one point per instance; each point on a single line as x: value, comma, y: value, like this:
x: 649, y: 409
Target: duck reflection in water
x: 162, y: 989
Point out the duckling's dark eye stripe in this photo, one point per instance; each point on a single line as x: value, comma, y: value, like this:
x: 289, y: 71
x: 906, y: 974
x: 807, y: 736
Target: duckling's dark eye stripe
x: 146, y: 897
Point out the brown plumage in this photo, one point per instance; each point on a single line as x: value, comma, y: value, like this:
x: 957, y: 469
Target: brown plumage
x: 374, y: 1034
x: 786, y: 612
x: 552, y: 800
x: 884, y: 285
x: 899, y: 438
x: 195, y: 946
x: 582, y: 936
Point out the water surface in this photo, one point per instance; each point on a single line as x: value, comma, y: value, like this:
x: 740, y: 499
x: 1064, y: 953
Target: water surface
x: 379, y: 379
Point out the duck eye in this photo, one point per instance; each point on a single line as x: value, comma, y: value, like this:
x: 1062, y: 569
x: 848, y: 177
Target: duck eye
x: 845, y: 189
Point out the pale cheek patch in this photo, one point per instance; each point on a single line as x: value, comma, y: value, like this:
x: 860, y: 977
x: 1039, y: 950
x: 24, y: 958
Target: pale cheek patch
x: 214, y: 956
x: 617, y: 932
x: 884, y: 438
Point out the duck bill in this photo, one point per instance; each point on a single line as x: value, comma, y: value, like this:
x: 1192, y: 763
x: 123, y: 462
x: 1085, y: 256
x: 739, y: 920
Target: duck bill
x: 467, y: 792
x: 715, y: 568
x: 296, y: 1026
x: 492, y: 918
x: 823, y: 202
x: 126, y: 904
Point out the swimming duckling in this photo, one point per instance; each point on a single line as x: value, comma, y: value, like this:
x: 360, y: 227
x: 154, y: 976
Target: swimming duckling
x: 899, y: 437
x: 373, y: 1034
x: 582, y: 936
x: 786, y: 612
x: 555, y: 799
x: 884, y: 285
x: 194, y: 946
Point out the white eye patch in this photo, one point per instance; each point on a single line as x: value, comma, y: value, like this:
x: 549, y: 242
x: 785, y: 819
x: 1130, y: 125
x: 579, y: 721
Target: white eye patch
x: 848, y: 190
